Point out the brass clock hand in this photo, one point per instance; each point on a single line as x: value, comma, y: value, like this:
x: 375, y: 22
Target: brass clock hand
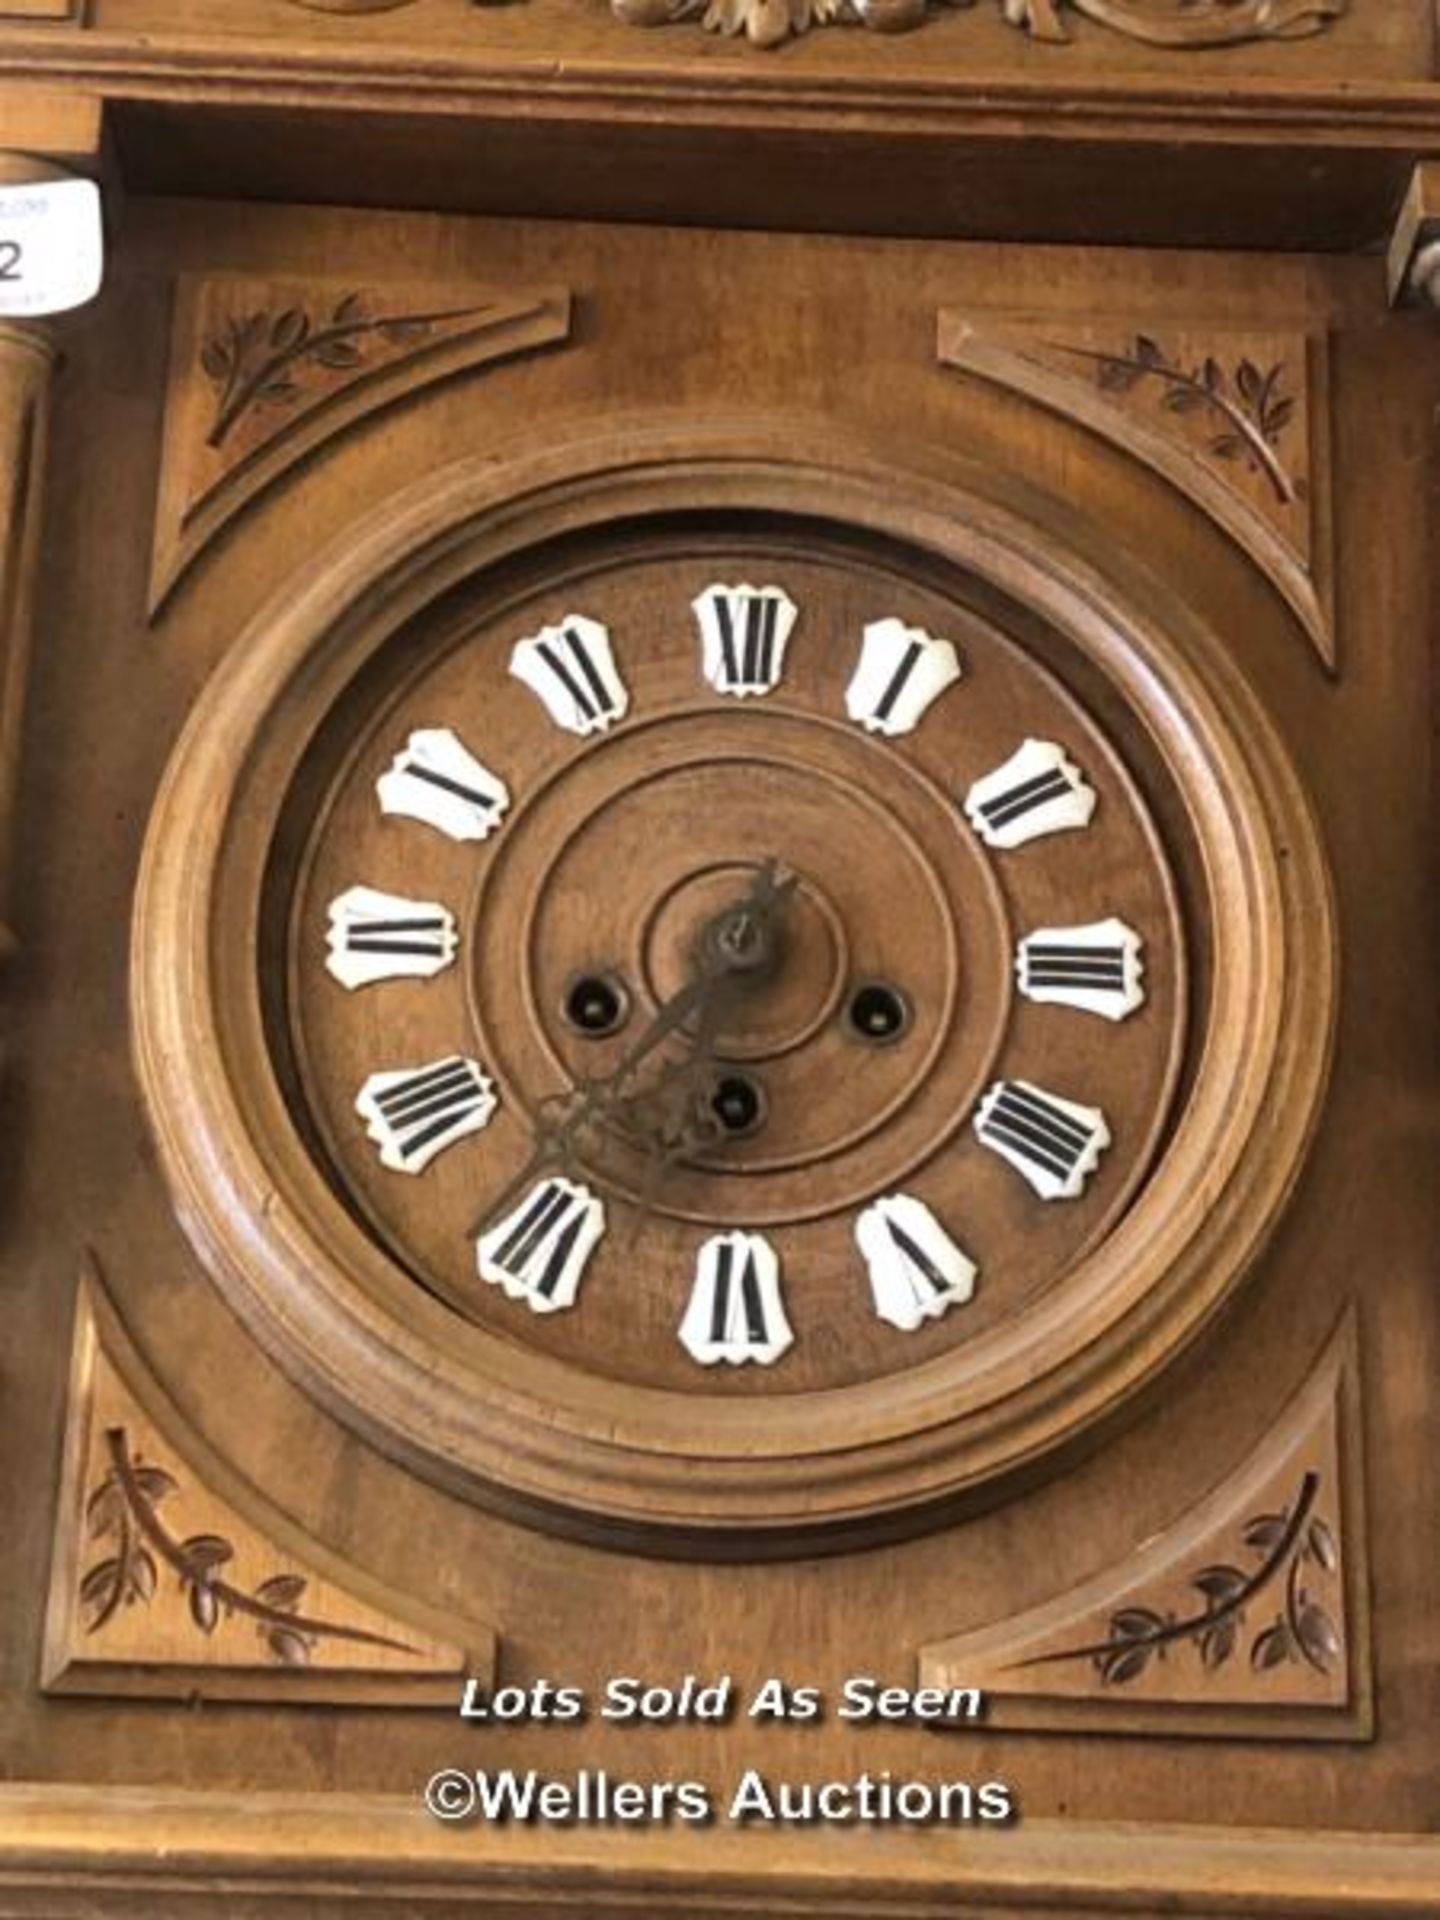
x: 738, y: 941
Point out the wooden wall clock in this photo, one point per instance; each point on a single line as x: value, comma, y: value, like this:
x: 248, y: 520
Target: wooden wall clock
x: 722, y: 960
x: 721, y: 992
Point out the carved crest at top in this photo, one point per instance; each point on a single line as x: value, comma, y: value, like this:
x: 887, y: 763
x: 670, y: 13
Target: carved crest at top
x: 1158, y: 23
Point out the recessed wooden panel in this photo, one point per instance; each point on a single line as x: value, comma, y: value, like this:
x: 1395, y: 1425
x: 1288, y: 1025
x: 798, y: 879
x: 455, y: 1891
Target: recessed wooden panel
x: 1108, y: 585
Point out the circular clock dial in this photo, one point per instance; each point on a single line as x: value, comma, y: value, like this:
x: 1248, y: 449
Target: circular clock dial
x: 711, y: 999
x: 613, y: 849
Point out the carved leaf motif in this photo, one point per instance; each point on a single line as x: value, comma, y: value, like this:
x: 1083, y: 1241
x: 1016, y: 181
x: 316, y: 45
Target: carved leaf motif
x: 1220, y: 1583
x: 283, y: 1591
x: 1182, y: 400
x: 1124, y: 1663
x: 1265, y: 1532
x: 1317, y: 1634
x: 339, y: 356
x: 154, y: 1483
x: 1278, y: 417
x: 1320, y: 1546
x: 289, y: 329
x: 104, y: 1507
x: 404, y: 333
x: 1217, y: 1643
x: 1272, y: 1648
x: 143, y: 1576
x: 1135, y: 1623
x: 206, y: 1551
x: 289, y: 1647
x: 96, y: 1587
x: 215, y: 360
x: 204, y: 1607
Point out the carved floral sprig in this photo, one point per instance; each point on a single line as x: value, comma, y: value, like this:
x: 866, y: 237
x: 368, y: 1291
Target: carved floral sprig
x: 267, y: 358
x: 122, y: 1514
x: 1301, y: 1629
x: 1247, y: 408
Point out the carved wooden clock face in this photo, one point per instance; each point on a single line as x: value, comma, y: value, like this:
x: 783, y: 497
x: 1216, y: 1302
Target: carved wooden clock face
x: 713, y: 1000
x: 938, y: 1087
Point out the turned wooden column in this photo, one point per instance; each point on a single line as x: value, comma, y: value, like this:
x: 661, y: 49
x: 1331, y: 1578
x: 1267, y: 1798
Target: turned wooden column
x: 27, y: 358
x: 27, y: 365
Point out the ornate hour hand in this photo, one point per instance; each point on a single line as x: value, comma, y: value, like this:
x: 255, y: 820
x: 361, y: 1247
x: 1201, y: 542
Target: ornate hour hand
x: 737, y: 947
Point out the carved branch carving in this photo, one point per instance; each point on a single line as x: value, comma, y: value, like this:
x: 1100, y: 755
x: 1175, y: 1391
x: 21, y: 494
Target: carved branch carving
x: 1268, y: 1566
x: 1236, y: 420
x: 123, y: 1511
x: 173, y: 1577
x: 265, y: 373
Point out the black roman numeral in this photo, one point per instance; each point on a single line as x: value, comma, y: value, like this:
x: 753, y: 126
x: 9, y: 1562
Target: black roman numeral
x: 1025, y: 797
x: 1054, y: 1143
x: 538, y: 1252
x: 747, y: 645
x: 569, y: 659
x: 425, y: 935
x: 736, y: 1314
x: 413, y: 1115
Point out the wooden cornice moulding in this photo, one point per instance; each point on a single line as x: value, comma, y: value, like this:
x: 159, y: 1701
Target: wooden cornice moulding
x: 509, y: 82
x: 1235, y: 420
x: 172, y: 1578
x: 263, y: 373
x: 1246, y: 1618
x: 502, y: 120
x: 342, y: 1854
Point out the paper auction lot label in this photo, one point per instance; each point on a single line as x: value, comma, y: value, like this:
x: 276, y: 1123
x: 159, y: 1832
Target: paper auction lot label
x: 52, y: 248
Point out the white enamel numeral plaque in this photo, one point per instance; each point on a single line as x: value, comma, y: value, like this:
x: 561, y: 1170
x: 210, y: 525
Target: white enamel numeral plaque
x: 571, y: 668
x: 538, y: 1252
x: 1037, y: 791
x: 901, y: 671
x: 735, y: 1312
x: 436, y: 779
x: 384, y: 936
x: 916, y: 1270
x: 1056, y: 1144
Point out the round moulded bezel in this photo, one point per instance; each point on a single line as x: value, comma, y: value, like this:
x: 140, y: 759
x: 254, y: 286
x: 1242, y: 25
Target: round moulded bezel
x: 647, y: 1468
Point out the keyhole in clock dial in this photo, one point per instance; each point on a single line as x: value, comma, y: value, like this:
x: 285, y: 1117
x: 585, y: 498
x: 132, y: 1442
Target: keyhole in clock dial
x: 738, y: 1104
x: 596, y: 1004
x: 879, y: 1012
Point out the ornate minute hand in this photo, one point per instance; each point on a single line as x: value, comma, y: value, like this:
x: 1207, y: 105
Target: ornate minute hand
x: 738, y: 941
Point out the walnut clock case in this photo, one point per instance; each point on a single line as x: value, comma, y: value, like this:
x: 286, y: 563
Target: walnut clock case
x: 723, y: 968
x: 914, y: 1257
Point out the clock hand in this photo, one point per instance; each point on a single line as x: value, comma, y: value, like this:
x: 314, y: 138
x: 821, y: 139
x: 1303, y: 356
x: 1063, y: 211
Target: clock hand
x: 738, y: 941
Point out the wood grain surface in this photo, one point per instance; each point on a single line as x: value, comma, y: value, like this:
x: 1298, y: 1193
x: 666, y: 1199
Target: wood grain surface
x: 674, y: 327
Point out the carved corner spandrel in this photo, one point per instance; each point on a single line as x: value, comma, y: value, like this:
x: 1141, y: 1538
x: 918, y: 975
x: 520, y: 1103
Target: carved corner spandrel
x: 1235, y: 420
x: 264, y: 373
x: 1248, y: 1617
x: 172, y: 1578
